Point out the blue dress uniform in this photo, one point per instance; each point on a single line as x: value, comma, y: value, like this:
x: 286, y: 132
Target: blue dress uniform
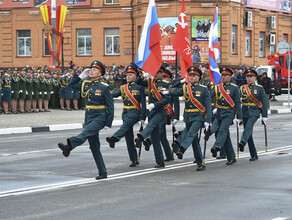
x: 155, y: 117
x: 193, y: 117
x: 64, y: 81
x: 224, y: 116
x: 98, y: 114
x: 6, y: 89
x: 251, y: 112
x: 131, y: 115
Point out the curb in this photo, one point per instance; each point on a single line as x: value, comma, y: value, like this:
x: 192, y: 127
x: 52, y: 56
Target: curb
x: 63, y: 127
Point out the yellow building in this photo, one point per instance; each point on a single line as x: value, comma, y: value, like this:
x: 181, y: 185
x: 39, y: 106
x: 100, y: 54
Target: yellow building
x: 109, y: 30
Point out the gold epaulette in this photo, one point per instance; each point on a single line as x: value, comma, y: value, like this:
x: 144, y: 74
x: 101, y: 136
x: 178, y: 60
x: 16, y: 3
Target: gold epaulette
x: 258, y: 85
x: 203, y: 85
x: 165, y: 81
x: 103, y: 83
x: 233, y: 84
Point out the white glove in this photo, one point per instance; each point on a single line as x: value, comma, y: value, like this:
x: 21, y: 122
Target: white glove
x: 142, y: 122
x: 214, y: 111
x: 20, y: 91
x: 206, y: 125
x: 41, y: 93
x: 183, y: 80
x: 166, y: 92
x: 265, y: 120
x: 84, y: 74
x: 238, y: 121
x: 150, y: 106
x: 12, y: 92
x: 147, y: 75
x: 32, y: 93
x: 26, y: 92
x: 106, y: 128
x: 45, y: 93
x: 174, y: 122
x: 52, y: 92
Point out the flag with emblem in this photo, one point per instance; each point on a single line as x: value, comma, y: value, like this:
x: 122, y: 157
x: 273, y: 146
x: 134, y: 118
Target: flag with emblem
x: 182, y: 42
x: 214, y: 53
x: 149, y: 52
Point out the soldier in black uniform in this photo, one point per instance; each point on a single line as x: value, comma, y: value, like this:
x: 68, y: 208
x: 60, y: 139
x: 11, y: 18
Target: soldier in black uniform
x: 134, y: 110
x: 55, y: 102
x: 99, y: 113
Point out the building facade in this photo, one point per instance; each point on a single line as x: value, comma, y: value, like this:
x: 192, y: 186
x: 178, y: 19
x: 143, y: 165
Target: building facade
x: 109, y: 30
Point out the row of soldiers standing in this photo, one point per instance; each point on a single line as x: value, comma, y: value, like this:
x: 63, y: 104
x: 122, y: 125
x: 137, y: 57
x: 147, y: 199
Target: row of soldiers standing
x: 197, y: 114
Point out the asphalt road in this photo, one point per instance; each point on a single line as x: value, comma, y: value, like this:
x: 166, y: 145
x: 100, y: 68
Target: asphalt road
x: 37, y: 182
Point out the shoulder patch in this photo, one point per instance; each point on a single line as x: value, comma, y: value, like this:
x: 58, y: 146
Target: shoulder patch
x: 86, y: 81
x: 103, y: 83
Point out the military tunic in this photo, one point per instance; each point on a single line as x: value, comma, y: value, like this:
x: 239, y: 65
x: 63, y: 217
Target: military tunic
x: 48, y: 88
x: 63, y: 81
x: 6, y: 89
x: 14, y: 87
x: 22, y: 87
x: 29, y: 88
x: 155, y: 117
x: 131, y: 115
x: 36, y: 88
x: 55, y: 101
x: 251, y: 112
x: 193, y: 117
x: 98, y: 114
x: 42, y: 88
x: 225, y: 115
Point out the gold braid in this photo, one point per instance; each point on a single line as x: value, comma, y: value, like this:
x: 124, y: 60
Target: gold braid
x: 84, y: 94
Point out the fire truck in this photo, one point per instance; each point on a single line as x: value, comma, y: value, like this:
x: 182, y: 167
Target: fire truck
x: 278, y: 72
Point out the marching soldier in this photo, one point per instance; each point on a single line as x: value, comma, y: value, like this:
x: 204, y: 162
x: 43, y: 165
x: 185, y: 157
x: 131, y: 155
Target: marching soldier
x: 35, y: 92
x: 14, y: 91
x: 228, y: 104
x: 254, y: 103
x: 22, y: 90
x: 6, y: 97
x: 99, y: 113
x: 158, y: 110
x: 29, y: 90
x: 134, y: 110
x: 42, y: 90
x: 198, y: 113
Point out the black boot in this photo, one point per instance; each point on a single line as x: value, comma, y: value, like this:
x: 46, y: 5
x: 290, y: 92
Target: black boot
x: 180, y: 153
x: 241, y: 146
x: 175, y: 147
x: 171, y: 158
x: 160, y: 165
x: 139, y: 140
x: 214, y: 151
x: 111, y: 141
x: 102, y: 176
x: 134, y: 163
x: 65, y: 148
x: 231, y: 162
x: 254, y: 158
x: 201, y: 168
x: 147, y: 144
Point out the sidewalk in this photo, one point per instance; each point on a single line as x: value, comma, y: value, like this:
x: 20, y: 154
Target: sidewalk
x: 67, y: 120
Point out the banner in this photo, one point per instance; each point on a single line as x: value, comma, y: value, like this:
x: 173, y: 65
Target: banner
x: 16, y: 3
x: 39, y: 3
x: 273, y: 5
x: 168, y: 30
x: 200, y: 37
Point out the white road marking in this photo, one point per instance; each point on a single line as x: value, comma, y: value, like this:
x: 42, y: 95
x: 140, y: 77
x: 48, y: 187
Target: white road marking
x: 124, y: 175
x: 279, y: 218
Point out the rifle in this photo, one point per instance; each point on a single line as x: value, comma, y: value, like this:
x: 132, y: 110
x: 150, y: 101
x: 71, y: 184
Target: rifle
x: 140, y: 149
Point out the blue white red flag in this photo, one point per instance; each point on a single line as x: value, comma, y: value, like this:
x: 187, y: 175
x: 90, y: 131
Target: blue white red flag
x: 214, y: 52
x: 149, y: 52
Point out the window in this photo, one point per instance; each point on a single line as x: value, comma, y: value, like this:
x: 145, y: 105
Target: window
x: 262, y: 35
x: 23, y: 43
x: 46, y: 46
x: 84, y: 42
x: 111, y: 1
x: 233, y: 42
x: 285, y: 37
x: 112, y: 41
x: 247, y: 43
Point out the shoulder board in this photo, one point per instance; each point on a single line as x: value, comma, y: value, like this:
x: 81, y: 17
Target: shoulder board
x: 258, y: 85
x: 103, y: 83
x: 233, y: 84
x: 203, y: 86
x: 86, y: 81
x: 165, y: 81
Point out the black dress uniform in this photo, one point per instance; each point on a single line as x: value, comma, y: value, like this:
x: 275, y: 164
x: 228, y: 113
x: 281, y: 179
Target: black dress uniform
x: 98, y: 114
x: 131, y: 114
x: 251, y: 112
x: 155, y: 117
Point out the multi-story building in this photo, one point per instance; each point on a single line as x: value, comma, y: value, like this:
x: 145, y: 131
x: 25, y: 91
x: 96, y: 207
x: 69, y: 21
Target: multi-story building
x: 109, y: 30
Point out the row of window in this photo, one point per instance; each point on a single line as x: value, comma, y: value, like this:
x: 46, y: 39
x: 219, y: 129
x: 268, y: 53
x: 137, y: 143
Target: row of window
x: 84, y: 43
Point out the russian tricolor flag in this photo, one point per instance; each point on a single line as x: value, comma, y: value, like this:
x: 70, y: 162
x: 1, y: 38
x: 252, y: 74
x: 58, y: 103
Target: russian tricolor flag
x: 214, y: 53
x: 149, y: 52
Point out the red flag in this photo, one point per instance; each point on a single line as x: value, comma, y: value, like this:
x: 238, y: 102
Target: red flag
x: 182, y: 42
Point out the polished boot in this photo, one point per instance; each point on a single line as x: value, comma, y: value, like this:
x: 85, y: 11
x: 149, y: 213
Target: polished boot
x: 111, y: 141
x: 102, y: 176
x: 65, y: 148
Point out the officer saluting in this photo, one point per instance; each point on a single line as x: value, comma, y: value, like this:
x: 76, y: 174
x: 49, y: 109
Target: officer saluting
x: 198, y: 112
x: 99, y: 113
x: 254, y: 103
x: 228, y: 103
x: 134, y: 110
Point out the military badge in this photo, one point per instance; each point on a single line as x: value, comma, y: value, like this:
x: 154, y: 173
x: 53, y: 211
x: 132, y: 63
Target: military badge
x: 97, y: 92
x: 135, y: 92
x: 198, y: 93
x: 228, y: 91
x: 255, y: 91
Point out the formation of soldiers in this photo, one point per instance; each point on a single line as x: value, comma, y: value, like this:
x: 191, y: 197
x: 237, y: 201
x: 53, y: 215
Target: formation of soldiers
x: 212, y: 108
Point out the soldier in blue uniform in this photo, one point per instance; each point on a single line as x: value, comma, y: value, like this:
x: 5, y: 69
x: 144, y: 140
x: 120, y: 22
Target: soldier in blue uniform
x: 254, y: 103
x: 6, y: 97
x: 99, y: 113
x: 228, y: 104
x: 134, y: 110
x: 197, y: 113
x: 157, y: 114
x: 14, y: 91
